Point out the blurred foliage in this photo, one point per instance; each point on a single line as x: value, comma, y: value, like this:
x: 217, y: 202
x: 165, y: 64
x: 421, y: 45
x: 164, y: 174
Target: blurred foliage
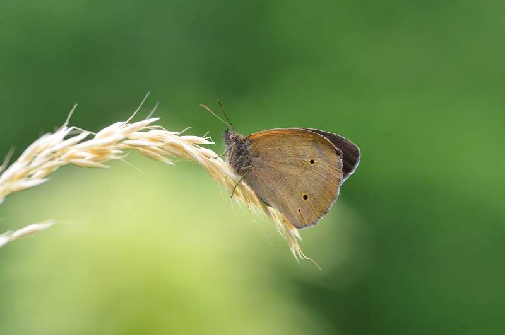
x: 414, y: 245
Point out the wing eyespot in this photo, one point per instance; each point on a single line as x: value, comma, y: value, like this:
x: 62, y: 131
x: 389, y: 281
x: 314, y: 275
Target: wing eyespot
x: 312, y: 161
x: 305, y: 197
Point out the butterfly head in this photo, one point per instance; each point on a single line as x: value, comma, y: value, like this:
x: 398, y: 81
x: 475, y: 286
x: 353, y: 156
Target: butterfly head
x: 231, y: 137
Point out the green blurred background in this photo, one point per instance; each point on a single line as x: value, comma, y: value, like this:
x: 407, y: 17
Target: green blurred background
x: 414, y: 245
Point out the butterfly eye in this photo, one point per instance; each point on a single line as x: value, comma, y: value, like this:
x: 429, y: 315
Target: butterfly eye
x: 305, y: 197
x: 311, y: 161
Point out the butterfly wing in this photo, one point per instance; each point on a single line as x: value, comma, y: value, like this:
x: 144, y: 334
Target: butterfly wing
x: 350, y: 151
x: 296, y: 171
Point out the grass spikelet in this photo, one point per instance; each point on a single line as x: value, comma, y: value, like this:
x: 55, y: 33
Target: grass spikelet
x: 26, y: 231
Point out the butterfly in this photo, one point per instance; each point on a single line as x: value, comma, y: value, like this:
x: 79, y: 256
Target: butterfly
x: 297, y: 171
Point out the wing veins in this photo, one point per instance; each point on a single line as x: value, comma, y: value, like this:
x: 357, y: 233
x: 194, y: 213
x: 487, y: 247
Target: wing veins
x: 298, y: 174
x: 290, y: 202
x: 302, y: 159
x: 298, y: 179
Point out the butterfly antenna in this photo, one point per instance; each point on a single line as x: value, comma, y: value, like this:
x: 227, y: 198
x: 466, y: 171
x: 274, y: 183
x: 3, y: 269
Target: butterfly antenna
x: 224, y: 113
x: 210, y: 111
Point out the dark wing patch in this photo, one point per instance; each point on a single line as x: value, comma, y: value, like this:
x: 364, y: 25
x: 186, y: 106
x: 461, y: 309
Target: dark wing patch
x: 350, y: 151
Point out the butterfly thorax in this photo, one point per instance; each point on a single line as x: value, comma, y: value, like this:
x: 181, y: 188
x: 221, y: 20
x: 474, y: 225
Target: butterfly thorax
x: 237, y: 147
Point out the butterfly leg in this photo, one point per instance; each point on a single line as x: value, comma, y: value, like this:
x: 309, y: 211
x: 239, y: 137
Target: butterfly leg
x: 235, y: 187
x: 247, y: 170
x: 222, y: 155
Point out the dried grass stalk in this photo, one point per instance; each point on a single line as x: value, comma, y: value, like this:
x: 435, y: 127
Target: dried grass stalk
x: 70, y: 145
x: 26, y: 231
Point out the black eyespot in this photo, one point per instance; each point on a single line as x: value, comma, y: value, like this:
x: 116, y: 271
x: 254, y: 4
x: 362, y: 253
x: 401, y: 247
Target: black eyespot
x: 305, y: 197
x: 299, y: 210
x: 311, y: 161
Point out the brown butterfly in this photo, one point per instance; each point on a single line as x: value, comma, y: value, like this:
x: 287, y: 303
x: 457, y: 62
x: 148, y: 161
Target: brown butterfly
x: 297, y: 171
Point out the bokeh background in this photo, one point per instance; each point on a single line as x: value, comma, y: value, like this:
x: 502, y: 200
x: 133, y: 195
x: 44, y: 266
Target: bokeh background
x: 415, y: 244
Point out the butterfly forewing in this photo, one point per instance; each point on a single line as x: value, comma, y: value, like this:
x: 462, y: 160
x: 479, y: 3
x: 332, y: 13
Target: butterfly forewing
x: 296, y: 171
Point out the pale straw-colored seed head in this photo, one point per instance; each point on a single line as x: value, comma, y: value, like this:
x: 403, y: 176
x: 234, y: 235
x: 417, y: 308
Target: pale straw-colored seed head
x: 70, y: 145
